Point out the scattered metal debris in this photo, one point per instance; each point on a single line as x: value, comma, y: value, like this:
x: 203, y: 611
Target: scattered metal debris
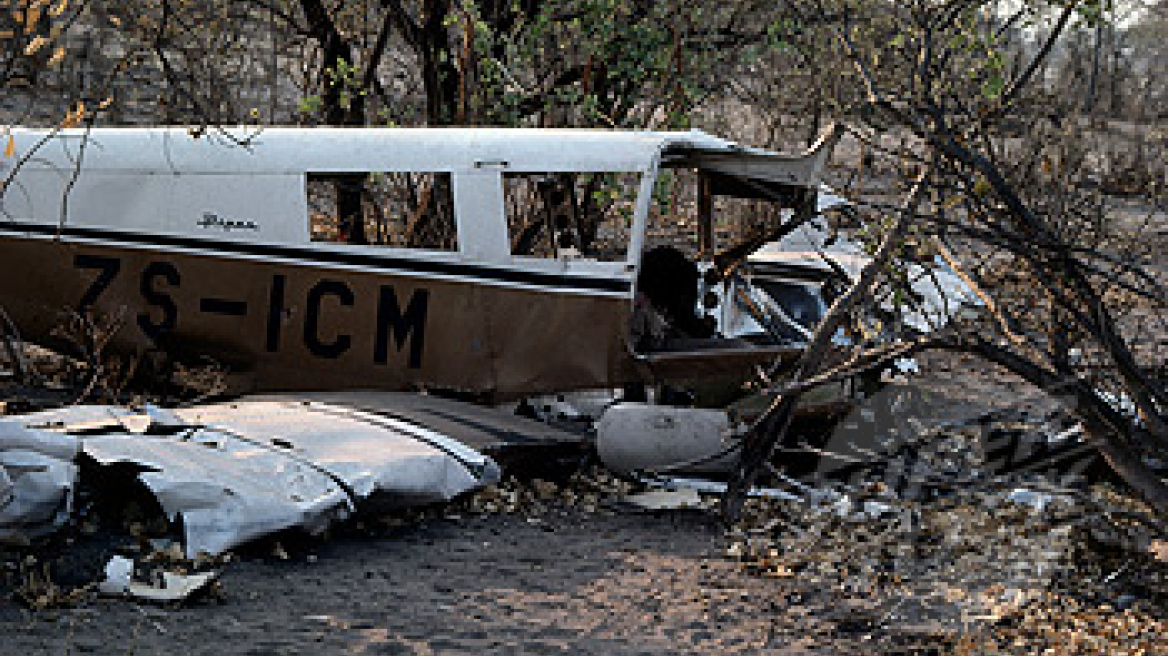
x: 167, y: 587
x: 995, y: 563
x: 685, y: 498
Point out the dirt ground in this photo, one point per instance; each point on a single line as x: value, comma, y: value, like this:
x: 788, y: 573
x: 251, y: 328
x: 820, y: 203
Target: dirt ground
x: 570, y: 582
x: 560, y: 580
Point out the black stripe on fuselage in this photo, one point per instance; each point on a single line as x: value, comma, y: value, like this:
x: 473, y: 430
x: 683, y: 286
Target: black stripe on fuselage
x: 383, y: 263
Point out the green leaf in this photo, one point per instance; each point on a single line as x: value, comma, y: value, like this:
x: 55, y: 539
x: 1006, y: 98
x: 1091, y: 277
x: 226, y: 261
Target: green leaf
x: 993, y: 86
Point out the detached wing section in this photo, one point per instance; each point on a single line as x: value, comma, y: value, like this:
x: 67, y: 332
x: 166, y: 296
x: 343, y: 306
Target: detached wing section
x: 234, y: 472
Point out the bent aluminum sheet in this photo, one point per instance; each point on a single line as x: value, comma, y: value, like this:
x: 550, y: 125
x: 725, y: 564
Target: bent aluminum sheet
x: 226, y: 490
x: 248, y: 469
x: 37, y: 476
x: 383, y: 461
x: 38, y: 498
x: 942, y: 292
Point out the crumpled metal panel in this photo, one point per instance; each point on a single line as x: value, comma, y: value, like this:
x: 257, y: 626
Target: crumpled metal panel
x: 39, y: 498
x: 225, y: 489
x: 382, y: 461
x: 233, y: 472
x: 37, y: 476
x: 244, y: 470
x: 18, y: 436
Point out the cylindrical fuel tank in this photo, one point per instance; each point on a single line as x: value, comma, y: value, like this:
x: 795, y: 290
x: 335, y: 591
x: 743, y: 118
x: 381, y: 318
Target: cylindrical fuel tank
x: 638, y: 436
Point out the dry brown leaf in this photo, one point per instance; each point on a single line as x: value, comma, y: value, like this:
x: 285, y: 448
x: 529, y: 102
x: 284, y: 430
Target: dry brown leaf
x: 1159, y: 549
x: 35, y: 45
x: 58, y: 55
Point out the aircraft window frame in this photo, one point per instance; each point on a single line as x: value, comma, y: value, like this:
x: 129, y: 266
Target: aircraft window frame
x: 410, y: 210
x: 546, y: 214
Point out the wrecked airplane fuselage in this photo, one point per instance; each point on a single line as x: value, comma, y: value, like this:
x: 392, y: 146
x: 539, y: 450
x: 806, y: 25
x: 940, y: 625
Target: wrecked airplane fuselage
x: 310, y: 259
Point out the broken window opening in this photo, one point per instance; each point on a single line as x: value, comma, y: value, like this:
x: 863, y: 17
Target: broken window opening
x: 398, y: 209
x: 569, y: 215
x: 739, y: 209
x: 699, y: 221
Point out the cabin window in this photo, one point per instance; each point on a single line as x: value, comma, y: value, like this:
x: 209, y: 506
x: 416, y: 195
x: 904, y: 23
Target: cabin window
x: 404, y: 210
x: 739, y: 219
x: 567, y: 215
x: 739, y: 209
